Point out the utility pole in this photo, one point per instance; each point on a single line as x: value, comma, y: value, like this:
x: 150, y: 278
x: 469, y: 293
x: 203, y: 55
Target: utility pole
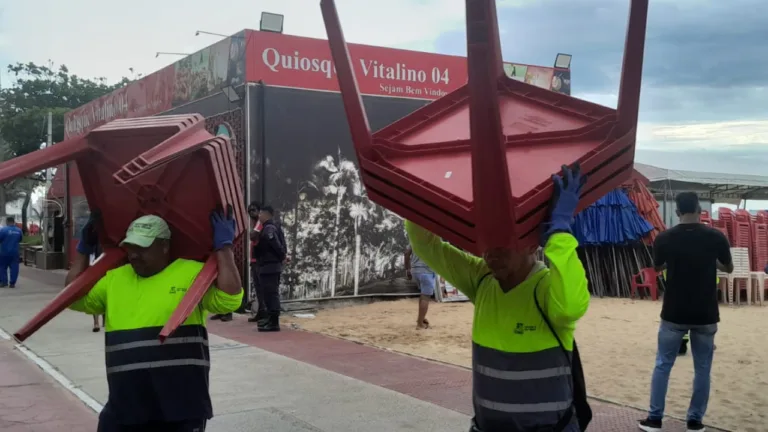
x: 46, y: 224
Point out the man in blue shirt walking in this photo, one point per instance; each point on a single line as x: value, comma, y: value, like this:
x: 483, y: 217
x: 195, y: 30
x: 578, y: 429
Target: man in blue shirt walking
x: 10, y: 237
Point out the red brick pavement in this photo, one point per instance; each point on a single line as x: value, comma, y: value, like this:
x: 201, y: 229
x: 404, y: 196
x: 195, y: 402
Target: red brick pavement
x: 30, y: 401
x: 444, y: 385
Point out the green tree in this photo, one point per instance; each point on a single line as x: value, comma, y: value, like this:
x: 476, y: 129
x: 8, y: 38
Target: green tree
x: 24, y: 106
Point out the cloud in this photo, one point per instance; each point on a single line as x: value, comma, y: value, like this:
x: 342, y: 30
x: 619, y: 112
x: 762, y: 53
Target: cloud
x: 720, y: 136
x: 94, y: 38
x: 703, y: 60
x: 704, y: 89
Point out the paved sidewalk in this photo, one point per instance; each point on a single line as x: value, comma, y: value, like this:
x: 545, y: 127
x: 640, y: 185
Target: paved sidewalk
x: 292, y: 381
x: 438, y: 383
x: 31, y: 401
x: 252, y: 389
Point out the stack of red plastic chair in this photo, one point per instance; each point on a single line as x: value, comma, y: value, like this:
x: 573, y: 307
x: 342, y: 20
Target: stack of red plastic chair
x: 761, y: 243
x: 727, y: 220
x: 169, y: 166
x: 475, y: 166
x: 759, y: 251
x: 706, y: 218
x: 742, y: 229
x: 758, y: 242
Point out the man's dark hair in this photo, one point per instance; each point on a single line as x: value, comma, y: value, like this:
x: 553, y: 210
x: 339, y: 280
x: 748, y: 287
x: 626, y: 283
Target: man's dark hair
x: 268, y: 209
x: 10, y: 220
x: 254, y: 206
x: 687, y: 203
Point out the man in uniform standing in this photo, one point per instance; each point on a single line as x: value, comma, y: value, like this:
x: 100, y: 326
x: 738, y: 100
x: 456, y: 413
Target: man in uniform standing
x: 153, y: 386
x: 260, y: 316
x: 10, y: 238
x: 270, y: 254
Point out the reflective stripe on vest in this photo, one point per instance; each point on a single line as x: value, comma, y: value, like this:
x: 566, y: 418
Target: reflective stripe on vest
x: 520, y: 391
x: 137, y: 349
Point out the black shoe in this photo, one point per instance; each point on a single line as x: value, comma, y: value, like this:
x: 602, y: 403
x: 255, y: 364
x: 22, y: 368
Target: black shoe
x: 226, y: 317
x: 649, y: 425
x: 271, y: 324
x: 12, y: 286
x: 4, y: 286
x: 216, y: 317
x: 695, y: 426
x: 260, y: 316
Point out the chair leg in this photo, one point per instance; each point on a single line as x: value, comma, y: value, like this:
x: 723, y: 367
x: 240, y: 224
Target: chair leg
x: 749, y: 291
x: 730, y: 291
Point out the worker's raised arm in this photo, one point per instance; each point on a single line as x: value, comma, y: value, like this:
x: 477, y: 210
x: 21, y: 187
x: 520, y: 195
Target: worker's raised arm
x: 224, y: 227
x: 226, y: 295
x: 568, y: 293
x: 566, y: 297
x: 459, y: 268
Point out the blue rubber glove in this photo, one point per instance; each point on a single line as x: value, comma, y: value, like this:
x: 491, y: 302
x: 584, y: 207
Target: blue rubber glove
x: 565, y: 199
x: 224, y: 227
x: 89, y: 235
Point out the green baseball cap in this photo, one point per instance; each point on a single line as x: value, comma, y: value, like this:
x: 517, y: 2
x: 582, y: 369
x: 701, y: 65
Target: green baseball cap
x: 143, y: 231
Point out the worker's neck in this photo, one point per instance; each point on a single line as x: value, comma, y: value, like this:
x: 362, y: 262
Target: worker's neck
x: 513, y: 280
x: 690, y: 219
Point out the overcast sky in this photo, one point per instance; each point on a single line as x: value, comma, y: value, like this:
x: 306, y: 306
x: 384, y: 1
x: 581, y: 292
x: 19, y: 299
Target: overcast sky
x: 704, y: 94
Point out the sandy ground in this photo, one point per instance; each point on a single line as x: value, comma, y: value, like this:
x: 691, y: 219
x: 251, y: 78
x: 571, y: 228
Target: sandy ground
x: 617, y: 340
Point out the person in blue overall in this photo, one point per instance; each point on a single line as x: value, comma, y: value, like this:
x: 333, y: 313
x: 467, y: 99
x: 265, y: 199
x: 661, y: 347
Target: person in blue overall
x: 10, y: 237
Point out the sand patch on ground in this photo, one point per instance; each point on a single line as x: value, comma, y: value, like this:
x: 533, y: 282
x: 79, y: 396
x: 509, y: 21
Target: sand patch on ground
x: 617, y: 340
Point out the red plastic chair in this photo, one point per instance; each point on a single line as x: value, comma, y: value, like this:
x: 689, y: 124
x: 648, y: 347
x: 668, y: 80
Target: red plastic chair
x: 647, y: 278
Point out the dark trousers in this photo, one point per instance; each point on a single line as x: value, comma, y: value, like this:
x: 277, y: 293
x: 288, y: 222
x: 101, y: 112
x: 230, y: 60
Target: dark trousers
x: 9, y: 266
x: 106, y: 424
x: 269, y: 284
x: 261, y: 309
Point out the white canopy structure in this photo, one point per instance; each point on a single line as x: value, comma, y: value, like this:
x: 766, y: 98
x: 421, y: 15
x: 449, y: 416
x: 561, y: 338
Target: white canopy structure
x: 718, y: 187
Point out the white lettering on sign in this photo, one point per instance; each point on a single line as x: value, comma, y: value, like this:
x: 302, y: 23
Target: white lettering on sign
x: 110, y: 108
x: 277, y: 61
x: 398, y: 72
x: 410, y: 91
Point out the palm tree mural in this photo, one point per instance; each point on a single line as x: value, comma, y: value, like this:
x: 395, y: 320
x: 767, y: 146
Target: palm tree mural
x: 341, y: 243
x: 341, y: 174
x: 358, y: 211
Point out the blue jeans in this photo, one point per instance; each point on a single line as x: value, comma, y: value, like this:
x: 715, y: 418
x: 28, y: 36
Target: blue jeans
x: 426, y: 282
x: 9, y: 266
x: 702, y: 348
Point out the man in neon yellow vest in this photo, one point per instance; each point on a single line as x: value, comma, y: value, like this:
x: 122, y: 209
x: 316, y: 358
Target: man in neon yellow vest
x: 526, y: 371
x: 154, y: 386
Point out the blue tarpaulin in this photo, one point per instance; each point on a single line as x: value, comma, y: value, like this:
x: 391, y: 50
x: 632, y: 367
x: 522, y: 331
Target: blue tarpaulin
x: 612, y: 220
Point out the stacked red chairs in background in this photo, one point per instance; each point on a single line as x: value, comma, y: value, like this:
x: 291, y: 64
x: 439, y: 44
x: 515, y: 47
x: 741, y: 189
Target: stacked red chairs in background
x: 706, y: 218
x: 742, y: 230
x: 727, y: 220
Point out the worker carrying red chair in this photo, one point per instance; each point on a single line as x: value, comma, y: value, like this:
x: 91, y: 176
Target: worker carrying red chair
x: 527, y: 374
x: 153, y: 386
